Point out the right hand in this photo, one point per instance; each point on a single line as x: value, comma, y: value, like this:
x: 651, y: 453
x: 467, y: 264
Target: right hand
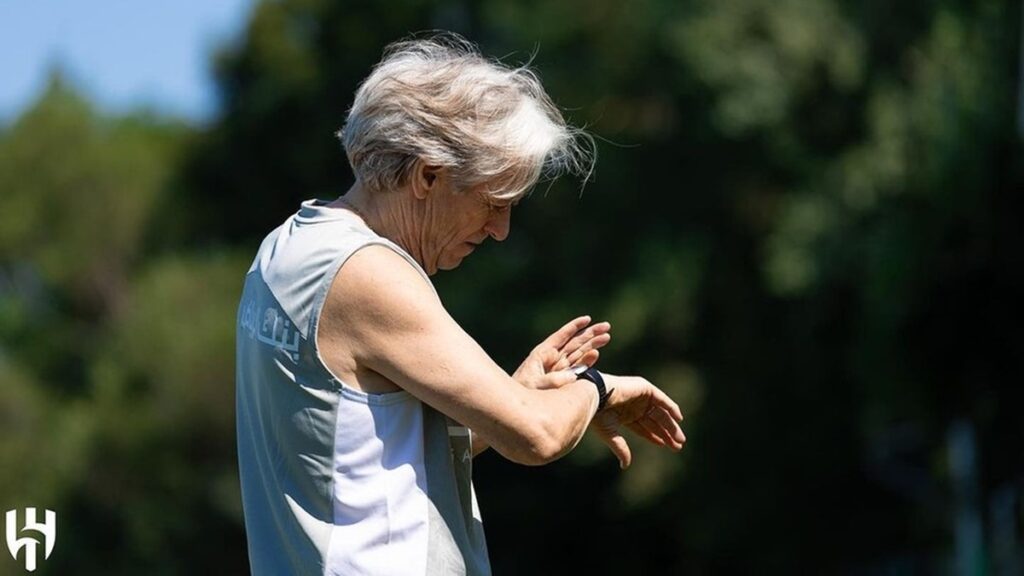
x: 574, y: 344
x: 640, y: 406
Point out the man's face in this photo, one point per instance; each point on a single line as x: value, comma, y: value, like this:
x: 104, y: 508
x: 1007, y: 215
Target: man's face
x: 474, y: 216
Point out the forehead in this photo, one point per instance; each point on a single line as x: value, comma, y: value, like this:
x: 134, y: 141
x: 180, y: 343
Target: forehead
x: 497, y: 194
x: 499, y: 203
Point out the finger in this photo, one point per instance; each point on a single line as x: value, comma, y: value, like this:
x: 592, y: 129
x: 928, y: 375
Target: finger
x: 594, y: 343
x: 668, y: 404
x: 580, y: 339
x: 588, y: 341
x: 672, y: 431
x: 588, y: 360
x: 560, y: 337
x: 600, y: 330
x: 648, y: 431
x: 667, y: 436
x: 547, y: 358
x: 620, y: 448
x: 559, y: 378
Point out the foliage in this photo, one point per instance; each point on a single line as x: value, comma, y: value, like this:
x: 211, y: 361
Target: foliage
x: 802, y: 225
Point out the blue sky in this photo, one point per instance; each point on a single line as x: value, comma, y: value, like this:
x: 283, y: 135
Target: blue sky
x: 123, y: 54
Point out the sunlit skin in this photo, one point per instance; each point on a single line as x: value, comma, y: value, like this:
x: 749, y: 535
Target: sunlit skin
x: 439, y: 227
x: 429, y: 219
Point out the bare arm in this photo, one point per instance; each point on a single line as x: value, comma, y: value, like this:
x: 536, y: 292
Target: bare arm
x: 574, y: 344
x: 398, y: 328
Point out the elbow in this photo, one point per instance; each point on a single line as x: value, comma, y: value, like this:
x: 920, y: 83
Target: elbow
x: 537, y: 455
x: 542, y: 446
x: 530, y: 450
x: 537, y: 436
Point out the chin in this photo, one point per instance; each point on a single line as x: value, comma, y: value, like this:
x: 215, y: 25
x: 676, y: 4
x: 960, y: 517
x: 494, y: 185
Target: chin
x: 451, y: 262
x: 449, y: 265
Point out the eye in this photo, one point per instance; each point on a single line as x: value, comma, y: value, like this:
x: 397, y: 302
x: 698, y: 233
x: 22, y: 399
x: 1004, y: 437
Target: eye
x: 497, y: 206
x: 506, y: 206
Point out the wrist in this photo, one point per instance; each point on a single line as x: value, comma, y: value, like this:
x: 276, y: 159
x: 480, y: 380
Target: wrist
x: 600, y: 383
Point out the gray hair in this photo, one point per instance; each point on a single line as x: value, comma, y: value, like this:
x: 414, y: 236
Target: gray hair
x: 440, y: 101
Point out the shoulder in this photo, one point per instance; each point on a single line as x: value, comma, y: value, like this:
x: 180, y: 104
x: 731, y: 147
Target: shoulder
x: 377, y: 273
x: 378, y: 294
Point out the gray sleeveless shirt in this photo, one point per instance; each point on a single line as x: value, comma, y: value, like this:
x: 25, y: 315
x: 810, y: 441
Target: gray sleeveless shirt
x: 334, y: 480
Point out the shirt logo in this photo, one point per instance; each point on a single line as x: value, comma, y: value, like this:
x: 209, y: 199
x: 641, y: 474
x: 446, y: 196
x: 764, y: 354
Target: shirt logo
x: 47, y: 529
x: 272, y: 328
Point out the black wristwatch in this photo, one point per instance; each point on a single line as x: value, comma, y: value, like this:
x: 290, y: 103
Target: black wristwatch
x: 602, y: 391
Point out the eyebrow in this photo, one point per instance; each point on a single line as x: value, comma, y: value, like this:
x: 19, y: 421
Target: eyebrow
x: 503, y: 204
x: 508, y: 205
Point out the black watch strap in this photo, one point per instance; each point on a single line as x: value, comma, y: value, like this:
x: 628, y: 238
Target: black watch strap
x: 602, y: 391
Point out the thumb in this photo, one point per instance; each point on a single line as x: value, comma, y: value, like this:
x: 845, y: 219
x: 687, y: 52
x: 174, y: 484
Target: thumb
x: 608, y: 429
x: 559, y: 378
x: 564, y: 377
x: 620, y: 448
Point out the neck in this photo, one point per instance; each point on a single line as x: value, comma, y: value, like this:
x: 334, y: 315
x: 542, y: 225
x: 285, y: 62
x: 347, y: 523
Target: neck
x: 390, y: 215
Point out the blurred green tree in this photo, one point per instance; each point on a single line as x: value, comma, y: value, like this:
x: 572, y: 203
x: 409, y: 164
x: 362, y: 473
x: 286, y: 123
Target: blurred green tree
x: 771, y: 217
x: 116, y: 404
x: 802, y: 225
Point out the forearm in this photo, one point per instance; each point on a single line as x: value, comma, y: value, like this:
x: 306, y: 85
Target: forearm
x: 570, y: 414
x: 478, y: 444
x: 554, y: 421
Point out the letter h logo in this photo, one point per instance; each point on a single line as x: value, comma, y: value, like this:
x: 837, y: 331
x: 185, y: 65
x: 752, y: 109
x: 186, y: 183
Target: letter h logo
x: 48, y: 529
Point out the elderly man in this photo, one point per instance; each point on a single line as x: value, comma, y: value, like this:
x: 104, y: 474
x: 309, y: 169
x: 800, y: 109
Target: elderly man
x: 360, y: 400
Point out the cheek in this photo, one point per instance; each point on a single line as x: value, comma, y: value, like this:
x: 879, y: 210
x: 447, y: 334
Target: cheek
x: 479, y: 229
x: 452, y: 257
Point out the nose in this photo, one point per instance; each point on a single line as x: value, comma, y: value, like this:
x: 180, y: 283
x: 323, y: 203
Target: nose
x: 498, y: 225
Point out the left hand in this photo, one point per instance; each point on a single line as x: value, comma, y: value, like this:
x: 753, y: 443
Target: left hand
x: 635, y: 403
x: 574, y: 344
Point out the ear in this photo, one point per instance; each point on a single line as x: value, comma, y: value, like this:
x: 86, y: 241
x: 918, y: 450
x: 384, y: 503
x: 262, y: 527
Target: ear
x: 426, y: 179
